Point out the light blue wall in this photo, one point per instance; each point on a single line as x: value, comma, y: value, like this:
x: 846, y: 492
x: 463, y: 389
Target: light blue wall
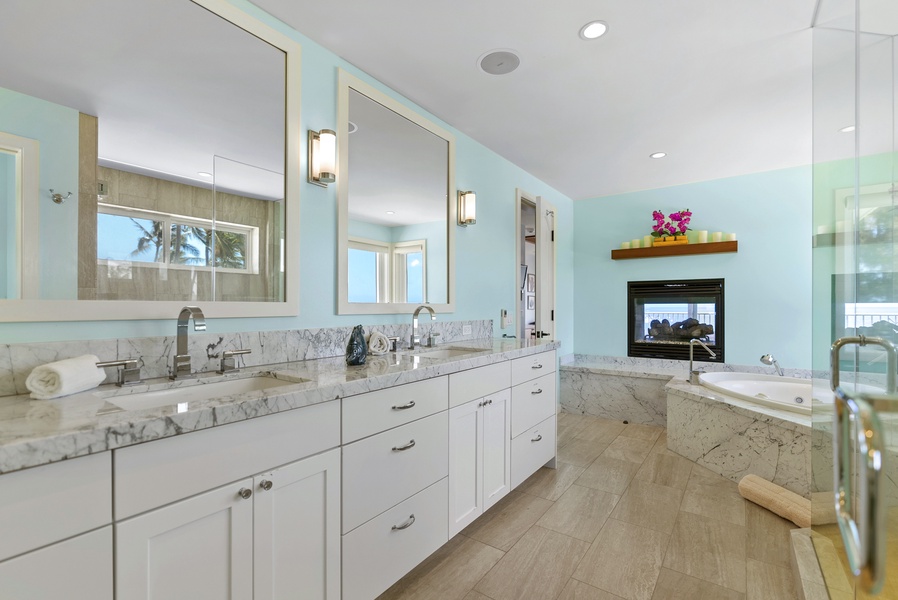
x: 485, y: 260
x: 8, y: 225
x: 768, y: 282
x: 56, y: 128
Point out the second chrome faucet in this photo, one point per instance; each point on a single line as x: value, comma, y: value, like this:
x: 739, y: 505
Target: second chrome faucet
x: 181, y: 361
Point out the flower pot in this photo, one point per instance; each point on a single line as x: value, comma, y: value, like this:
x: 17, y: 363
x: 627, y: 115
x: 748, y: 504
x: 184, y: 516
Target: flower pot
x: 670, y: 240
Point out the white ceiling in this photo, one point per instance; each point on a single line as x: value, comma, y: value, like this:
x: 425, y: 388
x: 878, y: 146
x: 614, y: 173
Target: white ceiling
x: 722, y: 86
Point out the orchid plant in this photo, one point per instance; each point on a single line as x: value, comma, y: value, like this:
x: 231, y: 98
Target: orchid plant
x: 674, y: 224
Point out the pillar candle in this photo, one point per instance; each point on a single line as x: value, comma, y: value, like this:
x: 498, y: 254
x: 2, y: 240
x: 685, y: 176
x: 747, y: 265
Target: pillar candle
x: 730, y: 237
x: 702, y: 236
x: 634, y: 243
x: 625, y: 245
x: 646, y: 241
x: 716, y: 236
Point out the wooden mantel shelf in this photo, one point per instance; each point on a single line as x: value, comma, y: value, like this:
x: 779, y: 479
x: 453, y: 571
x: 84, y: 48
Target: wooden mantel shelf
x: 676, y: 250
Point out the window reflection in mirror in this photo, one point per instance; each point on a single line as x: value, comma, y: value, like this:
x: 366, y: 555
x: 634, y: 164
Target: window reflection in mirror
x: 143, y: 114
x: 396, y: 218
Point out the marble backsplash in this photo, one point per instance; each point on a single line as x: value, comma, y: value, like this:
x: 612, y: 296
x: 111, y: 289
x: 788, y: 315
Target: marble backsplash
x: 268, y: 347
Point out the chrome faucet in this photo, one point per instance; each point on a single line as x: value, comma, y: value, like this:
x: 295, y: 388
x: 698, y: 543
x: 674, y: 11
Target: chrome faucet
x: 181, y: 361
x: 693, y: 375
x: 768, y: 359
x: 415, y: 340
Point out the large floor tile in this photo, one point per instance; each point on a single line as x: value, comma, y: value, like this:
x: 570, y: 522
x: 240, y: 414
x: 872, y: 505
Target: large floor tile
x: 709, y: 549
x: 537, y: 567
x: 627, y: 448
x: 649, y: 505
x: 624, y: 559
x: 769, y: 582
x: 648, y: 433
x: 676, y: 586
x: 475, y: 595
x: 551, y: 483
x: 577, y: 590
x: 580, y: 452
x: 769, y: 536
x: 710, y: 495
x: 608, y: 474
x: 670, y: 470
x: 601, y: 430
x: 504, y: 524
x: 580, y: 512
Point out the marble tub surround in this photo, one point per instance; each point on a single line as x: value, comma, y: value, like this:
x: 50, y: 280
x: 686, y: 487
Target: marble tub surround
x: 634, y: 397
x: 205, y: 349
x: 734, y: 438
x: 629, y: 365
x: 36, y: 432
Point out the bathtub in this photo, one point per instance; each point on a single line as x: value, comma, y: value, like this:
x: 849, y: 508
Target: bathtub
x: 786, y: 393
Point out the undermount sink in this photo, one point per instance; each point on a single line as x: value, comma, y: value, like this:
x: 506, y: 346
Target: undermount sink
x: 448, y: 352
x: 195, y: 390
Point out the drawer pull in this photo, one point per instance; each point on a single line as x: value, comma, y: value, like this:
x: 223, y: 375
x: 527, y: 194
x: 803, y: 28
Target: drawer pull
x: 265, y: 484
x: 484, y: 403
x: 537, y: 366
x: 410, y: 404
x: 539, y: 391
x: 411, y: 444
x: 245, y: 493
x: 537, y: 438
x: 406, y: 525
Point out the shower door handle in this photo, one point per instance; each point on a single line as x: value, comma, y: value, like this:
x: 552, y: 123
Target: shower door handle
x: 860, y: 512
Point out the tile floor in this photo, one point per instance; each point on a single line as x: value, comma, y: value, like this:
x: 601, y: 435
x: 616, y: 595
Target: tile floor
x: 621, y: 517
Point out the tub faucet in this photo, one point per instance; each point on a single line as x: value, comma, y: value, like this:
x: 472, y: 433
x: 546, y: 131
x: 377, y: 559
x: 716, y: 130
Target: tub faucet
x: 693, y: 374
x: 181, y: 361
x: 415, y: 340
x: 768, y: 359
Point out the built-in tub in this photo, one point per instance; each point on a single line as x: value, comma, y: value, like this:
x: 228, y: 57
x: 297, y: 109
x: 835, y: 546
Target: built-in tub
x: 786, y: 393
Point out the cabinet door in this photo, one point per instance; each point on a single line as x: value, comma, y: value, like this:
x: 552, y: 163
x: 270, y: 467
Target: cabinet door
x: 197, y: 549
x: 297, y: 530
x: 465, y: 464
x: 76, y: 569
x: 496, y: 447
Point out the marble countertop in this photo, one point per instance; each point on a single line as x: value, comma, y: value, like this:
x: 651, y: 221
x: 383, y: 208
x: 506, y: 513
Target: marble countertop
x: 37, y: 432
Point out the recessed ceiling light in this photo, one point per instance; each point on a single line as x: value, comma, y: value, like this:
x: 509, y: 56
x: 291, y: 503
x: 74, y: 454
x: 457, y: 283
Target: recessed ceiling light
x: 848, y: 129
x: 593, y: 29
x: 353, y: 127
x: 390, y: 212
x: 204, y: 174
x: 658, y: 155
x: 499, y: 62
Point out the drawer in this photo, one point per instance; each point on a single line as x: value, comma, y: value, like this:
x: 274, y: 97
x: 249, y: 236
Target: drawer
x: 477, y: 383
x: 531, y: 450
x: 367, y: 414
x: 157, y: 473
x: 533, y: 366
x: 76, y: 569
x: 378, y: 554
x: 531, y: 403
x: 45, y: 504
x: 377, y: 475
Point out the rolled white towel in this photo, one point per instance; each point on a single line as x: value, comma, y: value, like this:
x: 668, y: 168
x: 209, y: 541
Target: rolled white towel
x: 65, y: 377
x: 378, y: 343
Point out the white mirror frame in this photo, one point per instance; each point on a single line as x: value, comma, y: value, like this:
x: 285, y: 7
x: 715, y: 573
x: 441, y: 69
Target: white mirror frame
x: 104, y: 310
x: 346, y: 82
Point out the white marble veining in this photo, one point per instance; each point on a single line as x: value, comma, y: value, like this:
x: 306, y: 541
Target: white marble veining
x: 268, y: 347
x: 35, y: 432
x: 636, y: 398
x: 630, y: 364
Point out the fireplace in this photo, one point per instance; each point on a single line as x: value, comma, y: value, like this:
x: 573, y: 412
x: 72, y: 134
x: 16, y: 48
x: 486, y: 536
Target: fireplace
x: 664, y: 316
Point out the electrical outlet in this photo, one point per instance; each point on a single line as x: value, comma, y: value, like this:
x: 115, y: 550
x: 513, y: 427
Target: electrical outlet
x: 466, y: 330
x: 503, y: 318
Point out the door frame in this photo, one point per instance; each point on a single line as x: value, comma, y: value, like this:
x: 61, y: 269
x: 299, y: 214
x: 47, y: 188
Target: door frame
x: 545, y: 250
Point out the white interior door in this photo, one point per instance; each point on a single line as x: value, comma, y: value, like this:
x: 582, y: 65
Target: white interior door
x: 545, y: 268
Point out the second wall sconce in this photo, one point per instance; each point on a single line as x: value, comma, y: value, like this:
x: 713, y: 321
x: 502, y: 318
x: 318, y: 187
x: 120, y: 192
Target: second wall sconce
x: 322, y: 157
x: 467, y: 208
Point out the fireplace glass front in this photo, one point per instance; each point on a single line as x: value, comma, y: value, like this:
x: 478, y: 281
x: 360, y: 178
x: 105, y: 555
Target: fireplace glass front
x: 665, y: 315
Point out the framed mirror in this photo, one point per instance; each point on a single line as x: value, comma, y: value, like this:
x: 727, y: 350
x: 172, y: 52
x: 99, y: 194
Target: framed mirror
x: 166, y: 174
x: 396, y: 205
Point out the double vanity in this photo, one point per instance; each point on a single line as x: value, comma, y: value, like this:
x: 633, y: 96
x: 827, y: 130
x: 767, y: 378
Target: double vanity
x: 307, y: 479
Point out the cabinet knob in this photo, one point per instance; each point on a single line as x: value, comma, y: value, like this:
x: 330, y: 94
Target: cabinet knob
x: 411, y: 404
x: 245, y: 493
x: 537, y: 438
x: 406, y: 525
x: 411, y: 444
x: 265, y: 484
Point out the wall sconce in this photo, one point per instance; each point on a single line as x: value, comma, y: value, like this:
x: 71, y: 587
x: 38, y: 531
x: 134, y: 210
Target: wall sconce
x: 467, y: 208
x: 322, y: 157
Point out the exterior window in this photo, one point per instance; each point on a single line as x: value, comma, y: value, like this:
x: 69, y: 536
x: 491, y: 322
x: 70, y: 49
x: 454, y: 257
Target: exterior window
x: 142, y: 236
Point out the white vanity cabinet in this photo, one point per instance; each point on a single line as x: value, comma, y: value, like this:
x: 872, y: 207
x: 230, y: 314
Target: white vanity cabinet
x: 56, y: 539
x: 533, y: 409
x: 263, y: 533
x: 479, y: 442
x: 394, y: 483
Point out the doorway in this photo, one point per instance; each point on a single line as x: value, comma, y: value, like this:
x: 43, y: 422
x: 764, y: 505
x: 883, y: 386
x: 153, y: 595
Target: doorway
x: 535, y: 252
